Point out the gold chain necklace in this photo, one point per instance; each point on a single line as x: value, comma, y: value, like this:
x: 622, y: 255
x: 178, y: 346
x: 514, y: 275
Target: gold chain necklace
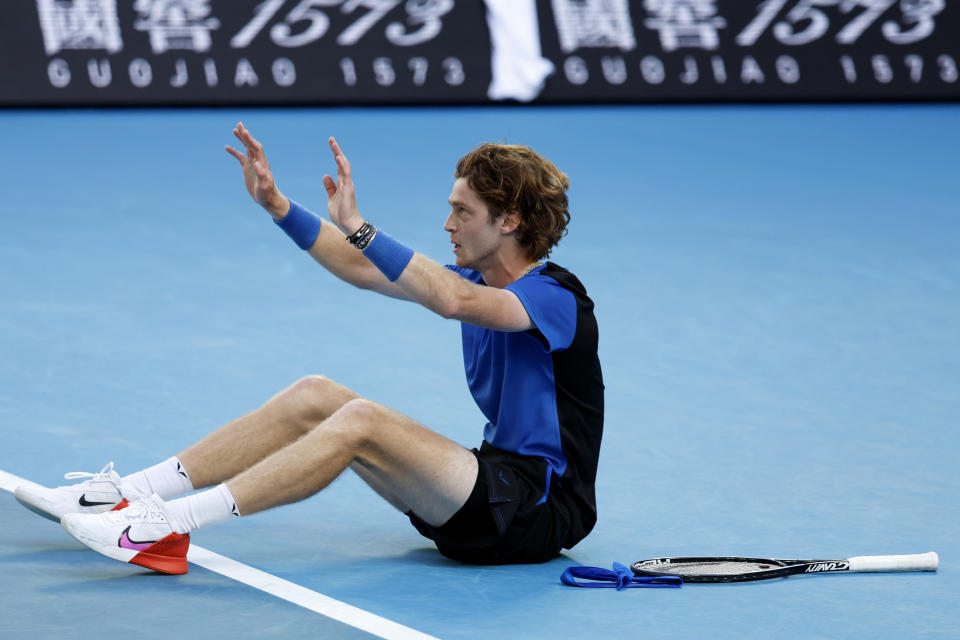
x: 528, y: 269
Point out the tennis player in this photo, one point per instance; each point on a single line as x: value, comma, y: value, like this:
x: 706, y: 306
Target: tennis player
x: 530, y: 354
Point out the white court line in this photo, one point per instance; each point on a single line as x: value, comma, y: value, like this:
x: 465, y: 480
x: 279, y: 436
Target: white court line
x: 289, y: 591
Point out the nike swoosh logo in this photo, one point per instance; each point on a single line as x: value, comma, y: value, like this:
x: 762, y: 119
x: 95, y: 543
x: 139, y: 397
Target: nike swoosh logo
x: 86, y: 503
x: 136, y: 545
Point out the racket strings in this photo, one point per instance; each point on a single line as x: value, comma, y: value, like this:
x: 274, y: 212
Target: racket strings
x: 715, y: 568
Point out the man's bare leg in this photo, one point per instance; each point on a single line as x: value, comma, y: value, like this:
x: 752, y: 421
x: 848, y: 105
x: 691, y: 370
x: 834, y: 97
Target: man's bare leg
x: 424, y: 471
x: 284, y: 418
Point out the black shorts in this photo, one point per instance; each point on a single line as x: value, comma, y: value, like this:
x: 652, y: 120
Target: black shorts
x: 502, y: 522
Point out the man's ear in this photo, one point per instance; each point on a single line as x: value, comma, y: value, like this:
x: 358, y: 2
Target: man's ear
x: 509, y: 221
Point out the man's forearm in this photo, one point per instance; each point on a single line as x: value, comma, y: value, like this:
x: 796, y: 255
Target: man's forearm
x: 336, y: 255
x: 433, y: 286
x: 327, y: 245
x: 422, y: 280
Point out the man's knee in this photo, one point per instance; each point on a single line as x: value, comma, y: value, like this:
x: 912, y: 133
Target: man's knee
x: 314, y: 398
x: 358, y: 421
x: 312, y: 386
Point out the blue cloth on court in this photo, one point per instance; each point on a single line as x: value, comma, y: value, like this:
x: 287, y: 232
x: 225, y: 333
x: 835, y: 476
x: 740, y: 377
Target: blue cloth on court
x: 620, y: 578
x: 302, y: 225
x: 388, y: 255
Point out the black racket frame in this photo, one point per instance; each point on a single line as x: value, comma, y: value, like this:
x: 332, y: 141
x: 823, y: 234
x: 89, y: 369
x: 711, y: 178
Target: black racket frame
x: 778, y: 568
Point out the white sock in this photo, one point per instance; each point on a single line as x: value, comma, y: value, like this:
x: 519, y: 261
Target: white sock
x: 167, y: 479
x: 202, y: 509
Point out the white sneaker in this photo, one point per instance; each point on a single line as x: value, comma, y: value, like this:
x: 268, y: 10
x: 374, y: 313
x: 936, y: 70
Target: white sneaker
x: 140, y: 534
x: 100, y: 492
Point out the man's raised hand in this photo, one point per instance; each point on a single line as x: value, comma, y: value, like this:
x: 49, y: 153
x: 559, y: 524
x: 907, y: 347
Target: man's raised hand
x: 341, y: 196
x: 257, y: 175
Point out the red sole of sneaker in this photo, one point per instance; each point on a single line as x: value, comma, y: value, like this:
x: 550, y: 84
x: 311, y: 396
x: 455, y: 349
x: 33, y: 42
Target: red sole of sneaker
x: 168, y: 555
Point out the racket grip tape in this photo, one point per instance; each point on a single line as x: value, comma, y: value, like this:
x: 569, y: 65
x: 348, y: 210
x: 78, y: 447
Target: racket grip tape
x: 918, y: 562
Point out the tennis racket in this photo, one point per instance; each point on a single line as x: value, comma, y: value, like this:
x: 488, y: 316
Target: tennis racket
x: 749, y: 569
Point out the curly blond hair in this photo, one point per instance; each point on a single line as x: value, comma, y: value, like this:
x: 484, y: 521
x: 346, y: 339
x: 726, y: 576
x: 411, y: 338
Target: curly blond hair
x: 510, y: 177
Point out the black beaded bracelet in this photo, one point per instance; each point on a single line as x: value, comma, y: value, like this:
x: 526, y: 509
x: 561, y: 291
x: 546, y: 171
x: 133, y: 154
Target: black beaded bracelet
x: 366, y: 239
x: 363, y: 236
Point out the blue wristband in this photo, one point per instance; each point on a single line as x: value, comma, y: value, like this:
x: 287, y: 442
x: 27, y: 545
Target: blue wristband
x: 388, y: 255
x: 301, y: 225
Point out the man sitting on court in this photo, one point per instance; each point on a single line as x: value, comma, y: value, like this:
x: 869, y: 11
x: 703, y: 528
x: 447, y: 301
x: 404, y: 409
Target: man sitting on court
x: 530, y: 353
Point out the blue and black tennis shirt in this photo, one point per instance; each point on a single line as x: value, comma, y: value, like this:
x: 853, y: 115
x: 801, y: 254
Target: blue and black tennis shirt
x: 541, y: 390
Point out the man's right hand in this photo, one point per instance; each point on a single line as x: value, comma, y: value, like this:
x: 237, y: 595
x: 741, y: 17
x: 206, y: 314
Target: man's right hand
x: 257, y: 175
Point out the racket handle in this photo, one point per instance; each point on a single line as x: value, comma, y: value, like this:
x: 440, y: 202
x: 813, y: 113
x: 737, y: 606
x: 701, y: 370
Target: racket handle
x: 918, y: 562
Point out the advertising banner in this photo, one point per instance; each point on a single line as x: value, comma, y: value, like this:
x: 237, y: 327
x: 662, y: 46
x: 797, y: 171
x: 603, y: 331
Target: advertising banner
x: 336, y: 52
x: 189, y: 52
x: 625, y: 51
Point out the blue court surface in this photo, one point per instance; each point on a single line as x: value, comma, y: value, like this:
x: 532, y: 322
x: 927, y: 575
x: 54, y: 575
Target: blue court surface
x: 778, y: 292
